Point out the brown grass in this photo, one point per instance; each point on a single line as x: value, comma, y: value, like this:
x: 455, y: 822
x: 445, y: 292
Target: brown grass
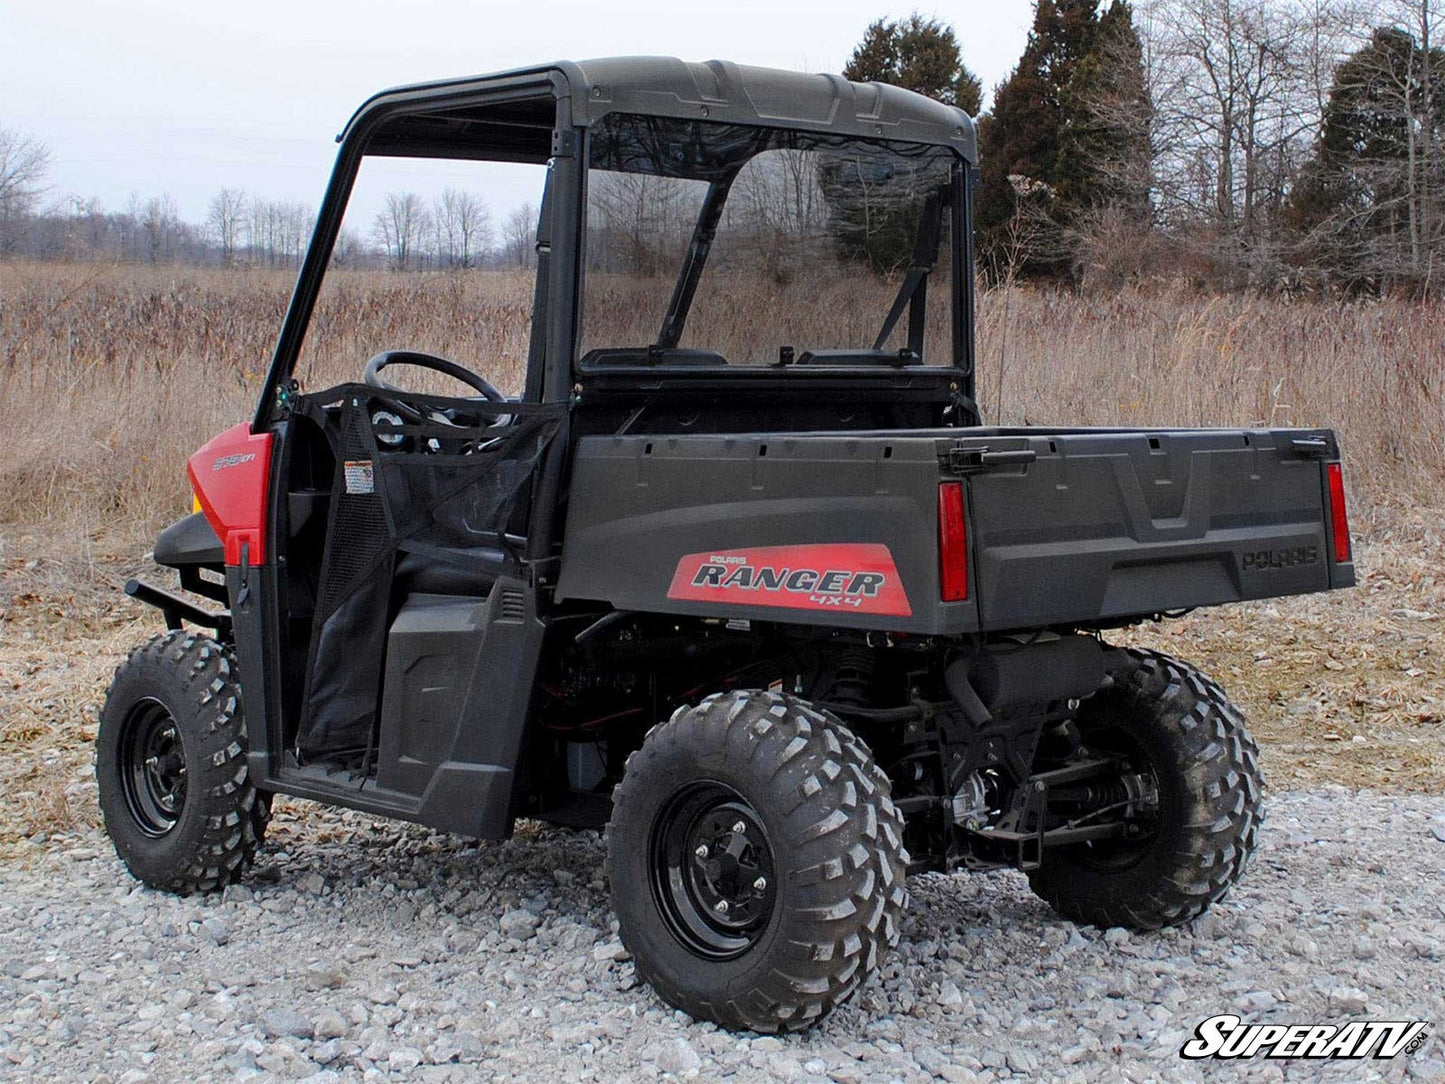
x: 111, y: 376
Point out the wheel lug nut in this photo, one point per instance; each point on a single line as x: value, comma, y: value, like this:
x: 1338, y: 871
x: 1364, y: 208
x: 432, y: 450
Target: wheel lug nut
x: 739, y: 828
x: 721, y: 907
x: 761, y: 883
x: 701, y: 851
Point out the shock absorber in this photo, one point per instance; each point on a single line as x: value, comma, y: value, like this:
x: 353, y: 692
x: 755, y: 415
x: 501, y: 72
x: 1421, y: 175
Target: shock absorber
x: 852, y: 675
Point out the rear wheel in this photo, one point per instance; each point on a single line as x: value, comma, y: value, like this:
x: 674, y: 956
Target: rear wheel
x: 756, y: 861
x: 171, y: 766
x: 1189, y: 750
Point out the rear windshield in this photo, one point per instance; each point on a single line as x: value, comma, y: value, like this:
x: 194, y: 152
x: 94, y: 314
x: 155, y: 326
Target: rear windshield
x: 714, y: 243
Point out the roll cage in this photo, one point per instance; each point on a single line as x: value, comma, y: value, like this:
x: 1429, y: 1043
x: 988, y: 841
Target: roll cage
x: 543, y: 116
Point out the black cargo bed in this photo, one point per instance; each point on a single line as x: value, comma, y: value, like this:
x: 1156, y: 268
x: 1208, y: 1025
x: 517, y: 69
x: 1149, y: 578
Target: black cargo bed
x: 1066, y: 527
x: 1107, y: 524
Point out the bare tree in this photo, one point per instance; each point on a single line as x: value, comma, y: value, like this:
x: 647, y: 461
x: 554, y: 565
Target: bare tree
x: 277, y: 231
x: 297, y: 221
x: 1239, y: 86
x: 646, y: 218
x: 1409, y: 94
x: 519, y: 231
x: 225, y: 219
x: 1371, y: 200
x: 776, y: 214
x: 777, y: 191
x: 265, y: 232
x: 462, y: 226
x: 86, y: 228
x: 23, y: 165
x: 158, y: 224
x: 400, y: 226
x: 348, y: 249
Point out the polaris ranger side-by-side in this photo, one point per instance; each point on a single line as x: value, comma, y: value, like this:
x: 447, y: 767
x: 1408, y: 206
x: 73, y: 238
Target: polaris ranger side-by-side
x: 788, y: 619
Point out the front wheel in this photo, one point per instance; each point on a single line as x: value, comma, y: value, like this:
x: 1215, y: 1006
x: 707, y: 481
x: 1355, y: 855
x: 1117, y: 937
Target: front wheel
x: 171, y: 766
x: 756, y: 861
x: 1177, y: 729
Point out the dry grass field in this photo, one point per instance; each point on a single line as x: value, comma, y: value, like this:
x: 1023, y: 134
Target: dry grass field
x: 111, y: 376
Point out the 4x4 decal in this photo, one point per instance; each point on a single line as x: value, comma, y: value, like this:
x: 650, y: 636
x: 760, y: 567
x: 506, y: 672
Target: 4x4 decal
x: 856, y: 577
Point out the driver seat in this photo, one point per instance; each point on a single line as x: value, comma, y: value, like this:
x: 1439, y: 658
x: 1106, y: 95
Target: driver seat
x: 472, y: 573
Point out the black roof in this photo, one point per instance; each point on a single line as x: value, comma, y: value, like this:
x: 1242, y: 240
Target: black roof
x: 714, y: 90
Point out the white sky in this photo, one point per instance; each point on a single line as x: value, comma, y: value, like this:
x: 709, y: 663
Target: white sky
x: 187, y: 96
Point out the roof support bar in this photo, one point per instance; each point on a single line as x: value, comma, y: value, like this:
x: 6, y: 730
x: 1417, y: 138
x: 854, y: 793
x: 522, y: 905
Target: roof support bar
x: 913, y: 294
x: 703, y: 234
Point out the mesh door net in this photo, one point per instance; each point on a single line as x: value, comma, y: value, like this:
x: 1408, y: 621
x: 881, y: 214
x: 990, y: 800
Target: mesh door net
x: 447, y: 479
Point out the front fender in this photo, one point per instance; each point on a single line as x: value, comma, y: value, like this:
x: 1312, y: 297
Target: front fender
x: 231, y: 478
x: 189, y: 542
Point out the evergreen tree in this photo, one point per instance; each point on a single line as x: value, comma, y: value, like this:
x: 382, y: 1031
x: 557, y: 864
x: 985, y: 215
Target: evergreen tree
x: 1068, y: 134
x: 875, y: 197
x: 1105, y: 112
x: 919, y: 54
x: 1020, y: 137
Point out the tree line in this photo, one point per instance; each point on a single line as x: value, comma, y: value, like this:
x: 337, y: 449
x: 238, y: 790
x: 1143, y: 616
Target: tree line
x: 453, y: 230
x: 238, y: 229
x: 1294, y: 144
x: 1277, y: 143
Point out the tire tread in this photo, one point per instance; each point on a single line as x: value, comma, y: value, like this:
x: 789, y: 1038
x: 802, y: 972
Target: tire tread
x: 1208, y: 733
x: 851, y: 861
x: 231, y: 824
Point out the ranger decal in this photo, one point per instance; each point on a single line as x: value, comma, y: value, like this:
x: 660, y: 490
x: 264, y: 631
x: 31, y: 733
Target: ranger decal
x: 852, y: 577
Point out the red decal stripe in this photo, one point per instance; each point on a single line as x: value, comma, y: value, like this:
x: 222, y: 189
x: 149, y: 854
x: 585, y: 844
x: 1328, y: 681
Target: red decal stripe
x: 842, y: 577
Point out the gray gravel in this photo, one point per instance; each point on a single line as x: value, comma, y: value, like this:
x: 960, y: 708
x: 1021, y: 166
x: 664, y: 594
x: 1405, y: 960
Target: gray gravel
x: 365, y: 950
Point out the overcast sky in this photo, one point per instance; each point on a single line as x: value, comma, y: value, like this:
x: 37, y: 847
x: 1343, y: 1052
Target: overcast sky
x: 187, y: 96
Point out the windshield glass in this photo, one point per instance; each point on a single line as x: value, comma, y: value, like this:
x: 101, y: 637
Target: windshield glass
x: 710, y: 243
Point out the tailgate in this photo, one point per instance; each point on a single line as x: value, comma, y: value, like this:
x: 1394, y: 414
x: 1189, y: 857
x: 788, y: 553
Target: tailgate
x: 1077, y: 526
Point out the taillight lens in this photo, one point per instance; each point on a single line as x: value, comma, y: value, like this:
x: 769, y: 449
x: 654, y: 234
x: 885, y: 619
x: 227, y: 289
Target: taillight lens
x: 1339, y: 517
x: 952, y: 544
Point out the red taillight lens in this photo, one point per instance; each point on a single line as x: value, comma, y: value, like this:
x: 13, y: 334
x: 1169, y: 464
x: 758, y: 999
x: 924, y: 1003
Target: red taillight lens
x: 1339, y: 517
x: 952, y: 544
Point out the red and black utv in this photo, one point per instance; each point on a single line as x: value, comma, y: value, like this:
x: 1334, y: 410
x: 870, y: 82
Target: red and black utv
x: 777, y: 609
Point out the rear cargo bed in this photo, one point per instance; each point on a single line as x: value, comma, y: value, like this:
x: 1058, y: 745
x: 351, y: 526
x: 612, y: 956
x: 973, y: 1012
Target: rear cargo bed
x: 1111, y: 524
x: 1064, y: 526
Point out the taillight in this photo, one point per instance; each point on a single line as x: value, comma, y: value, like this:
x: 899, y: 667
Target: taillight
x: 952, y: 543
x: 1339, y: 517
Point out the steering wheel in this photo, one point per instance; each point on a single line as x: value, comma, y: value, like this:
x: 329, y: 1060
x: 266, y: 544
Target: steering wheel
x: 479, y: 384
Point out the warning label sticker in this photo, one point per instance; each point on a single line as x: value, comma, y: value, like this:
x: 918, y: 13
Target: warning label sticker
x: 359, y: 476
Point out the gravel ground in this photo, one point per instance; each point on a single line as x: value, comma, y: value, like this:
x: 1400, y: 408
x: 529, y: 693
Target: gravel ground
x: 361, y: 949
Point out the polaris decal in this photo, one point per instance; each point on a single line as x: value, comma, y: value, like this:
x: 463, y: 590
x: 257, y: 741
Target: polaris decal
x: 1290, y: 557
x: 844, y: 576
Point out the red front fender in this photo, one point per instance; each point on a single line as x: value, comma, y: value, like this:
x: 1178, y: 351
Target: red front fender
x: 231, y: 478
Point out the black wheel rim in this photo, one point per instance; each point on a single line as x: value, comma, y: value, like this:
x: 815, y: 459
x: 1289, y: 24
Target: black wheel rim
x: 153, y: 767
x: 712, y: 870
